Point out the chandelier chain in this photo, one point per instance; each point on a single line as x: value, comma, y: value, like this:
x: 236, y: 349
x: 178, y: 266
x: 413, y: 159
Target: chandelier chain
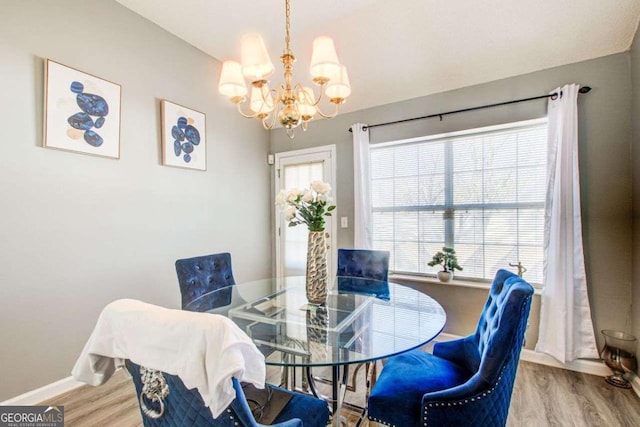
x: 287, y: 28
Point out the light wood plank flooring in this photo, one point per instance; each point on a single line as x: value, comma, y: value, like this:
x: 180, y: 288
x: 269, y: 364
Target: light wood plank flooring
x: 543, y: 396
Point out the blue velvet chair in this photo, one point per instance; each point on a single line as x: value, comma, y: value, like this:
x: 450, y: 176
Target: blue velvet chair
x: 185, y: 407
x: 203, y: 274
x: 365, y: 263
x: 466, y: 382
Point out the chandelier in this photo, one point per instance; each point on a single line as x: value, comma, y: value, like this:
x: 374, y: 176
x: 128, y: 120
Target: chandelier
x: 291, y: 105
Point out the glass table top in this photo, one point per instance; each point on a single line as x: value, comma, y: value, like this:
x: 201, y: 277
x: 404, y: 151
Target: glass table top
x: 363, y: 319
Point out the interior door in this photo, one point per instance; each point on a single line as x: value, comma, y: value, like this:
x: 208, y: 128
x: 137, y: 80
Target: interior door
x: 297, y: 169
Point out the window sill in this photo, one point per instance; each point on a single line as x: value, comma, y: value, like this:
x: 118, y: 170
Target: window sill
x: 457, y: 283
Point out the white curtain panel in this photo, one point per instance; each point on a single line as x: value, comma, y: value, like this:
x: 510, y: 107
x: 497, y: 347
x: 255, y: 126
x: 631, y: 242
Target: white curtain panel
x: 566, y: 329
x: 361, y: 190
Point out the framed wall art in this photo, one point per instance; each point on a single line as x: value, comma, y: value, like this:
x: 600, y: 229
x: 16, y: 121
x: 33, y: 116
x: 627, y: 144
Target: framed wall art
x: 183, y: 136
x: 81, y: 112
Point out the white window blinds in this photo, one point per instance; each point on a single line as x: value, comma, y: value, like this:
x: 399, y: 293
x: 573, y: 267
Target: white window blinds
x: 481, y: 192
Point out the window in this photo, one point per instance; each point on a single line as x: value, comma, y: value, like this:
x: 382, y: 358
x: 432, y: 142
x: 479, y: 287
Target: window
x: 481, y: 192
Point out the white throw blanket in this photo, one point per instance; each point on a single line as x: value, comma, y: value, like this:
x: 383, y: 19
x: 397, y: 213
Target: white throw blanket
x: 205, y: 350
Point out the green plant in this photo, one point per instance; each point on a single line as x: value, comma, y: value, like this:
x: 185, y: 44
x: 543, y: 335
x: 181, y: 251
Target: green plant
x: 447, y: 259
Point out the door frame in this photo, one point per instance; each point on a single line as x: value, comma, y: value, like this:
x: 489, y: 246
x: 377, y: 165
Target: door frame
x: 332, y: 241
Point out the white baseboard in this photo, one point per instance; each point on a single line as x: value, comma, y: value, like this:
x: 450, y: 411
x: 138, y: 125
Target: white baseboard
x: 46, y: 392
x: 593, y: 367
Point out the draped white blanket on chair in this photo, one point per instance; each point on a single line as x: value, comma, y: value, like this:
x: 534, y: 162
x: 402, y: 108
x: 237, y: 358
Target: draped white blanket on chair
x: 204, y: 350
x: 566, y: 328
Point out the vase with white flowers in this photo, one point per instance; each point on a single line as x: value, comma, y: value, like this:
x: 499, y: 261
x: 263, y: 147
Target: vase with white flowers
x: 311, y: 206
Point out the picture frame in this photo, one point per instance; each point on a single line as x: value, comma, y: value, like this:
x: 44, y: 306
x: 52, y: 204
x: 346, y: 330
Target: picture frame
x: 82, y: 112
x: 184, y: 136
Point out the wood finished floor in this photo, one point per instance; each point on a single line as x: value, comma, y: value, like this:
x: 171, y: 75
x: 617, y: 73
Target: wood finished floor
x: 542, y: 396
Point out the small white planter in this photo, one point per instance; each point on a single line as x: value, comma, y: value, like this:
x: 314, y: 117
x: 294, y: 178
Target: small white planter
x: 445, y: 276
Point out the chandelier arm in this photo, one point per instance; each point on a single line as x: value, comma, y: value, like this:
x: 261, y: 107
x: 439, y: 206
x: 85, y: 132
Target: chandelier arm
x: 243, y: 114
x: 266, y: 99
x: 319, y: 96
x: 330, y: 115
x: 297, y: 86
x: 274, y: 113
x: 315, y: 101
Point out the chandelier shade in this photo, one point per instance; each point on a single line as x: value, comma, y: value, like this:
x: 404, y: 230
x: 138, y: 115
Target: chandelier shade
x: 338, y: 87
x: 232, y: 83
x: 256, y: 64
x: 306, y: 107
x: 291, y: 105
x: 324, y: 59
x: 261, y: 101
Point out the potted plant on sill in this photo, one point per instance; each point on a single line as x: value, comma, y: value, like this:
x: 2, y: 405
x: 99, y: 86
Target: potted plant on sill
x: 449, y: 261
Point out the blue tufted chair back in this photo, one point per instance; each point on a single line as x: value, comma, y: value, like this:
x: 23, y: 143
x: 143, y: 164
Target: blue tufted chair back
x: 369, y: 264
x: 465, y: 382
x: 203, y: 274
x: 501, y: 325
x: 491, y: 354
x: 185, y: 407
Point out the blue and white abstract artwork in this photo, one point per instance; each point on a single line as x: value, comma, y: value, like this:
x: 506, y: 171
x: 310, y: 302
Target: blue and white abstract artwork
x: 82, y: 112
x: 183, y: 137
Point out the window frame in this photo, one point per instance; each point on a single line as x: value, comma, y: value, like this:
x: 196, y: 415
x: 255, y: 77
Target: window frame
x: 449, y: 170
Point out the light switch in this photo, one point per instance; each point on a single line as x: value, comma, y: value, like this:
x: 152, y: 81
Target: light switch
x: 344, y: 222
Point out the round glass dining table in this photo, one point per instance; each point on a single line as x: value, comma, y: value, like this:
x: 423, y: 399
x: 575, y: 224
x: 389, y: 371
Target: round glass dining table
x: 363, y: 320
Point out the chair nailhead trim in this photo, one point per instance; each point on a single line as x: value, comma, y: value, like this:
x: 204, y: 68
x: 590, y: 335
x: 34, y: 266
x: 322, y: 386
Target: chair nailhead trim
x: 430, y: 404
x: 382, y: 422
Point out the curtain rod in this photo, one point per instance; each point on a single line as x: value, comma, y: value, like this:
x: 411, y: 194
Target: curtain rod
x: 584, y: 89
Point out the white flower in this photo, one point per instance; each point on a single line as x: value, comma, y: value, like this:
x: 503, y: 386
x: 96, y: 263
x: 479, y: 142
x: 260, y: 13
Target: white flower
x: 281, y: 199
x: 290, y: 213
x: 307, y: 206
x: 320, y: 187
x: 307, y: 196
x: 293, y: 195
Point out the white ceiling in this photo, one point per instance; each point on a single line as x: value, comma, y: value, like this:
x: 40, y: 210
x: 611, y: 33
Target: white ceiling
x: 401, y: 49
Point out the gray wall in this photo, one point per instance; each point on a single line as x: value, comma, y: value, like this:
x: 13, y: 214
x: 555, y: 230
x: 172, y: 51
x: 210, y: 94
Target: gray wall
x: 78, y: 231
x: 635, y: 114
x: 605, y: 138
